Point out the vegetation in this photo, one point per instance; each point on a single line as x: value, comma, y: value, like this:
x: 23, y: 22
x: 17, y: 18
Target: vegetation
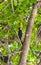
x: 13, y: 12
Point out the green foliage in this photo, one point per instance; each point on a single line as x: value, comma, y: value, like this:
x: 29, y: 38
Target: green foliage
x: 15, y: 2
x: 22, y: 8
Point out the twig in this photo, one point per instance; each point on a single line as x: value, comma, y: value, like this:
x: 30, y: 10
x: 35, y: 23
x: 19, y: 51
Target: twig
x: 5, y: 7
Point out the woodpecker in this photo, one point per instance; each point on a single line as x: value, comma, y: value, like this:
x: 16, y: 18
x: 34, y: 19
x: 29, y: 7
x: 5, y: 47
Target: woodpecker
x: 20, y: 31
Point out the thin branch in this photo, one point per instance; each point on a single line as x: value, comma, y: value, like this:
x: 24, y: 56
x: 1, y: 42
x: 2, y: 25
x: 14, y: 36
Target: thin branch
x: 11, y: 41
x: 12, y: 6
x: 12, y: 53
x: 33, y: 52
x: 37, y: 55
x: 5, y: 7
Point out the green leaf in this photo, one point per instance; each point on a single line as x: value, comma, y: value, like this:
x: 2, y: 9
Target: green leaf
x: 15, y: 2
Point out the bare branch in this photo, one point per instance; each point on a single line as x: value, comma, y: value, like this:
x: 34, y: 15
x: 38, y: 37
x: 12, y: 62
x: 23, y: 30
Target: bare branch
x: 11, y: 41
x: 12, y: 53
x: 37, y: 54
x: 12, y: 6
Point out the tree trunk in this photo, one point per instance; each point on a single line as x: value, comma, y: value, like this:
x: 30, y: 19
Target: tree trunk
x: 26, y: 44
x: 40, y: 64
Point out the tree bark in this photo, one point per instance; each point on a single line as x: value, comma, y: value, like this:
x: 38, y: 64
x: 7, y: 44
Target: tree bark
x: 26, y: 44
x: 40, y: 63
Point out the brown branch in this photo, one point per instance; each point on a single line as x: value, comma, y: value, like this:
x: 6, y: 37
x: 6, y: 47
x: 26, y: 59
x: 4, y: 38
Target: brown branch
x: 39, y: 62
x: 1, y: 43
x: 37, y: 54
x: 26, y: 44
x: 11, y: 41
x: 12, y: 53
x: 33, y: 52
